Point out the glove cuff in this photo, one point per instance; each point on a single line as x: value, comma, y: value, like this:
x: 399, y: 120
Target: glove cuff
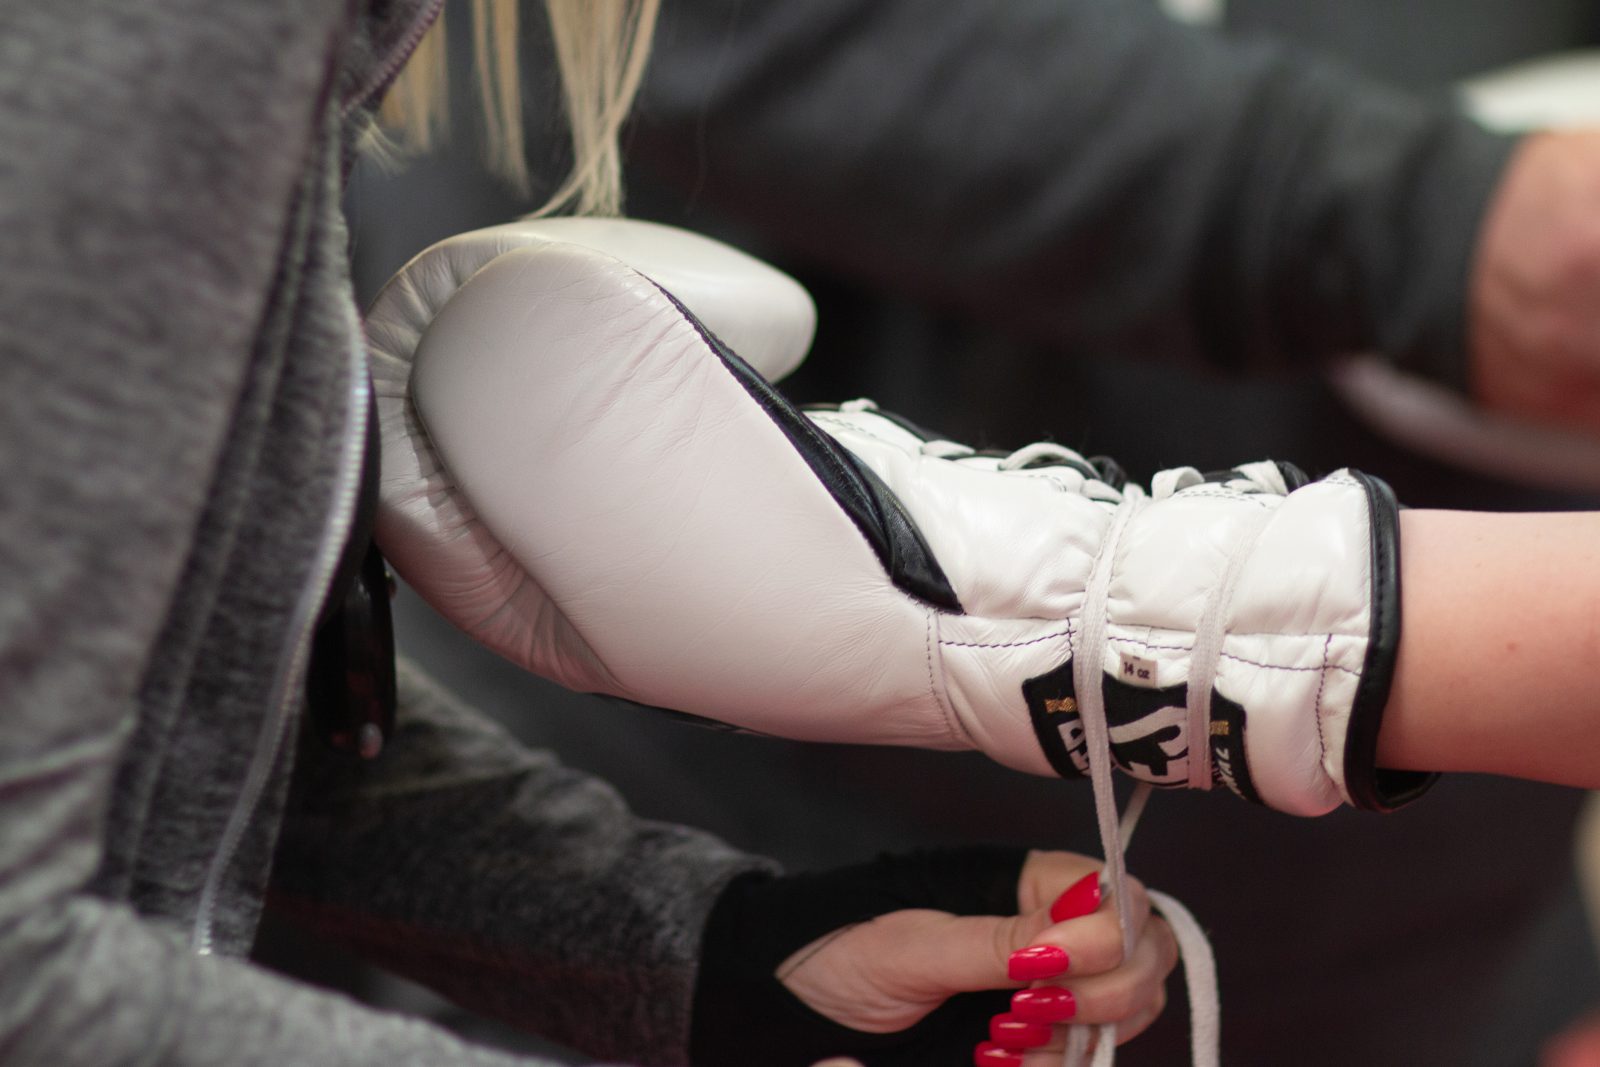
x: 1366, y: 785
x: 1290, y: 631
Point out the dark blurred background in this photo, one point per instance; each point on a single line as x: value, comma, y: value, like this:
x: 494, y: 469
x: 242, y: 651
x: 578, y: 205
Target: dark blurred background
x: 1452, y: 933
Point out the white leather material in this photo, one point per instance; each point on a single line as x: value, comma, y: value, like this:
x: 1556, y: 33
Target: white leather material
x: 610, y: 505
x: 758, y: 311
x: 668, y: 540
x: 1018, y: 547
x: 425, y: 528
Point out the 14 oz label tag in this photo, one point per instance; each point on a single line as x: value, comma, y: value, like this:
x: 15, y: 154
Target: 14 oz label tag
x: 1136, y: 670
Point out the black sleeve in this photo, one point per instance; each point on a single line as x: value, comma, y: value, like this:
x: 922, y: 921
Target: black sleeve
x: 1086, y: 172
x: 512, y: 884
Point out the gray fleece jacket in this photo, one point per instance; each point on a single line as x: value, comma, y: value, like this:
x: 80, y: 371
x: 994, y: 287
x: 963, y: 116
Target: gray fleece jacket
x: 182, y: 389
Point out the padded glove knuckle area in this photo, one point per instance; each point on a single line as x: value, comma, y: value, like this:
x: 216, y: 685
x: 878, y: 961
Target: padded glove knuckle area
x: 662, y: 516
x: 763, y: 313
x: 431, y: 533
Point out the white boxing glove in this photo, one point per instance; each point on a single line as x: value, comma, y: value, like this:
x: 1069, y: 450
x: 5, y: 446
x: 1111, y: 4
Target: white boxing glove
x: 650, y: 519
x: 429, y: 533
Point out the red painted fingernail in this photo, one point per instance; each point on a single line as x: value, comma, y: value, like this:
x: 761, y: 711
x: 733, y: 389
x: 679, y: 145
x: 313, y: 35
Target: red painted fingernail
x: 1047, y: 1004
x: 1040, y: 961
x: 1081, y: 898
x: 1013, y: 1031
x: 989, y: 1054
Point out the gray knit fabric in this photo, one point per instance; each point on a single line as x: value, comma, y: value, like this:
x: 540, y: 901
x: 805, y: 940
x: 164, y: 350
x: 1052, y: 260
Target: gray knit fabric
x: 179, y: 360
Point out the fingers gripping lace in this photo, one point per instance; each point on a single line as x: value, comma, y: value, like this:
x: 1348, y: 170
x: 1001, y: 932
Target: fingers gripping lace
x: 1088, y: 680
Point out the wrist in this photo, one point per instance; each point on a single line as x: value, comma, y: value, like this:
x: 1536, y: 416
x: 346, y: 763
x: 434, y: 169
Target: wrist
x: 1497, y: 669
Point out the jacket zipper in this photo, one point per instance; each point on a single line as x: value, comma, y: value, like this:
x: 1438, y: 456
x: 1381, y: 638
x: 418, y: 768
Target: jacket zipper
x: 285, y: 691
x: 397, y: 59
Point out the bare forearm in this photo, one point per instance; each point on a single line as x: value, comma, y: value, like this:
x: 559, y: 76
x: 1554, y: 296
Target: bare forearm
x: 1499, y: 666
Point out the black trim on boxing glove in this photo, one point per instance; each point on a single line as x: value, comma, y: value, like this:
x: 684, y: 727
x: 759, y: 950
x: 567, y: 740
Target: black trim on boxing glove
x: 743, y: 1014
x: 1372, y: 788
x: 870, y: 504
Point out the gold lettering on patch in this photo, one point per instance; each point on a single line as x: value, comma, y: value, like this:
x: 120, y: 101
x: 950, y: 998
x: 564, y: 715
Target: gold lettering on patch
x: 1064, y: 706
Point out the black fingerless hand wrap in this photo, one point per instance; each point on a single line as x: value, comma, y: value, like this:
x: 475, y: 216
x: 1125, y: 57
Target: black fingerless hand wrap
x: 744, y: 1015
